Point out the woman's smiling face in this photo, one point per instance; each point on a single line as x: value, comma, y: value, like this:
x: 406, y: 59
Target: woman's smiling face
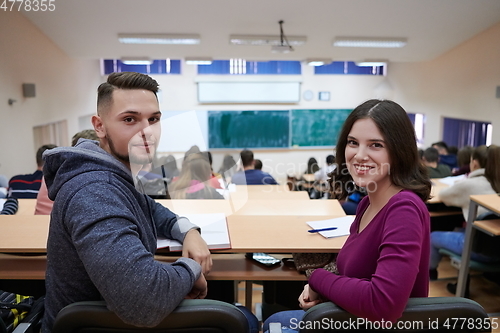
x: 366, y: 155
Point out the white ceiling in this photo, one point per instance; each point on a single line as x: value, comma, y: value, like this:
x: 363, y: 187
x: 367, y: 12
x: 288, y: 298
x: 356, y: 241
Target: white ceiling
x: 88, y: 28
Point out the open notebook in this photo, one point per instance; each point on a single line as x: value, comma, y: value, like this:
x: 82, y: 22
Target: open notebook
x: 213, y: 230
x: 342, y: 225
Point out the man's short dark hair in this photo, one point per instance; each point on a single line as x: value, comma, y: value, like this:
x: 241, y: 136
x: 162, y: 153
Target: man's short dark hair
x: 431, y: 155
x: 39, y: 153
x: 257, y: 164
x: 123, y: 80
x: 441, y: 144
x: 246, y: 157
x: 330, y: 159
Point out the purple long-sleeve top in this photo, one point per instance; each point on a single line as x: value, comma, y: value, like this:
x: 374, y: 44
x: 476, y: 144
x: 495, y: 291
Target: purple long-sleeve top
x: 384, y: 264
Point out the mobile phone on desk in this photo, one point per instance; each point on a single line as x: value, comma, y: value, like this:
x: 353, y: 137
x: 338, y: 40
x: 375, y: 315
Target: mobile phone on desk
x: 263, y: 258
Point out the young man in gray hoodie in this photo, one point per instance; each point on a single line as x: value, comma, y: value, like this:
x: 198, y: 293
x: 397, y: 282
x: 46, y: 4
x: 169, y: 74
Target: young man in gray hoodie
x: 103, y: 232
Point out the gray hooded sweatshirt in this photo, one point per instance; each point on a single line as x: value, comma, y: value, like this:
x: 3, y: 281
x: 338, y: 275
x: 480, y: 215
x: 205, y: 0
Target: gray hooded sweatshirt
x: 102, y: 240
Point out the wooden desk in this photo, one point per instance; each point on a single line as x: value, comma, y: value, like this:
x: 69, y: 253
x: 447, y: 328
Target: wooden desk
x: 274, y: 234
x: 252, y: 207
x: 490, y: 202
x: 308, y: 177
x: 225, y: 267
x: 22, y: 233
x: 263, y: 188
x: 26, y: 207
x: 269, y: 195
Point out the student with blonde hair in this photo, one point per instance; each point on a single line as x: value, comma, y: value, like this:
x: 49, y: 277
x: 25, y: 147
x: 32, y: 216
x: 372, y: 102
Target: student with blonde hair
x: 194, y: 180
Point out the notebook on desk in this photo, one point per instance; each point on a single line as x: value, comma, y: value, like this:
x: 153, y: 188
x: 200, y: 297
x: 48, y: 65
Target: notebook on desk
x: 213, y: 231
x: 340, y: 226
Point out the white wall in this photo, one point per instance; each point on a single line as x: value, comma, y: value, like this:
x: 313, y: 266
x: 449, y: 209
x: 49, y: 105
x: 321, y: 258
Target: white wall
x: 65, y: 89
x: 460, y: 83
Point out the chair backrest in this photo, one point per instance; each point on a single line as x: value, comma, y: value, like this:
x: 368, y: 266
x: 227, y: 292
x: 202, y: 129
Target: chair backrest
x: 429, y: 314
x: 191, y: 316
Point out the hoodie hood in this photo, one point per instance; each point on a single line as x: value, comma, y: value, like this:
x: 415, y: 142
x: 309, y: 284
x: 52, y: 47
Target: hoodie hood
x: 64, y: 163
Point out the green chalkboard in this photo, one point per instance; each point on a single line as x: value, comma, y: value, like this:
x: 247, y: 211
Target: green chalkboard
x: 248, y: 129
x: 317, y: 127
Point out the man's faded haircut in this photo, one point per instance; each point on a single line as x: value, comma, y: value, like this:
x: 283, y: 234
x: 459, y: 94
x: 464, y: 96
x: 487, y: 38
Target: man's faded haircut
x: 123, y: 80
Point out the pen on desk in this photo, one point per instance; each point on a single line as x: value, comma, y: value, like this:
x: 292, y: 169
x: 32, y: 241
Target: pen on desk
x: 323, y: 229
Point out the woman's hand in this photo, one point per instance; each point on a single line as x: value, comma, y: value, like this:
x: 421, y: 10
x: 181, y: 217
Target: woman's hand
x: 194, y: 247
x: 309, y: 298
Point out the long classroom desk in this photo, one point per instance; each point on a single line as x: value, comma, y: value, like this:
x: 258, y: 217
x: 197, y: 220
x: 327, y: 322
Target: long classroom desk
x: 26, y: 206
x: 252, y: 207
x: 492, y: 203
x: 263, y: 233
x: 272, y: 234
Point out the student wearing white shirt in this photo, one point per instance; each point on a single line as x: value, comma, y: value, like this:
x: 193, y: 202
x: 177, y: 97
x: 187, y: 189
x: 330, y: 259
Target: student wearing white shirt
x: 322, y: 174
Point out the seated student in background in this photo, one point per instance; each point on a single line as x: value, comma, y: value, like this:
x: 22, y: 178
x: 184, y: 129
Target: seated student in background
x: 27, y: 186
x: 257, y: 164
x: 463, y: 161
x: 385, y: 260
x: 10, y: 206
x: 445, y: 157
x: 43, y: 203
x: 312, y: 166
x: 228, y: 168
x: 249, y: 175
x: 214, y: 179
x: 483, y: 179
x: 321, y: 175
x: 103, y: 232
x: 431, y: 160
x: 194, y: 180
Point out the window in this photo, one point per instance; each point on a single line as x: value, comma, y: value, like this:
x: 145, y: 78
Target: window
x: 161, y: 66
x: 54, y: 133
x: 461, y: 132
x: 243, y: 67
x: 348, y: 67
x: 418, y: 121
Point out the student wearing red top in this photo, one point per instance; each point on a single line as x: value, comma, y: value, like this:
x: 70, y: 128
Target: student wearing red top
x: 385, y: 260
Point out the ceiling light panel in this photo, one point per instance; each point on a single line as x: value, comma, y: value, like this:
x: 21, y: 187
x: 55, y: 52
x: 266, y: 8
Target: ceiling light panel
x: 179, y: 39
x: 369, y: 42
x: 265, y: 40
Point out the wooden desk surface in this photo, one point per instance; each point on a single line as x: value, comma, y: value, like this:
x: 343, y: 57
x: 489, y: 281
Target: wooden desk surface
x: 256, y: 207
x: 26, y: 207
x: 269, y: 195
x: 275, y: 234
x: 278, y: 234
x: 262, y: 188
x: 23, y: 233
x: 488, y: 201
x: 225, y: 267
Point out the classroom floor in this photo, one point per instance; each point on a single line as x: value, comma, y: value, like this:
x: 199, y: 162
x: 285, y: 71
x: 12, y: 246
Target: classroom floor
x: 482, y: 290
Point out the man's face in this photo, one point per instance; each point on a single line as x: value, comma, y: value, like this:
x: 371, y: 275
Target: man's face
x: 130, y: 128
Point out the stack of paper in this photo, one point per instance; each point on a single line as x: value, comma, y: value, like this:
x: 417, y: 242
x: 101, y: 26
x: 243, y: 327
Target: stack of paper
x: 343, y: 224
x: 213, y: 230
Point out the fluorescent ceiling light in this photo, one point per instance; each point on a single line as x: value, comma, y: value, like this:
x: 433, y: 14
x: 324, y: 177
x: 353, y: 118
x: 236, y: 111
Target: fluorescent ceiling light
x: 318, y: 61
x: 198, y: 60
x: 266, y: 40
x: 369, y: 42
x: 136, y: 60
x: 371, y: 63
x: 182, y: 39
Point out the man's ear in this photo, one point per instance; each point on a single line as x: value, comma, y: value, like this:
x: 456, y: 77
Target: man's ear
x: 99, y: 126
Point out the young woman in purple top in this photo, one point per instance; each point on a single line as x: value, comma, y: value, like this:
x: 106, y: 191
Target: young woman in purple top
x: 385, y: 259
